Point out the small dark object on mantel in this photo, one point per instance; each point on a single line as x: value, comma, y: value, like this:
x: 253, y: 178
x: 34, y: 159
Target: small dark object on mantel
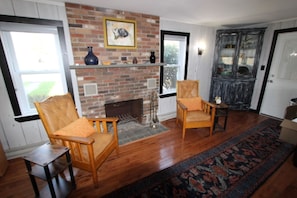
x: 90, y: 58
x: 135, y: 60
x: 152, y: 57
x: 124, y: 60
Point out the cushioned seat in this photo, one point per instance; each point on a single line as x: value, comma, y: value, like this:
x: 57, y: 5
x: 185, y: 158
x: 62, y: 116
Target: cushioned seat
x: 193, y: 116
x: 102, y: 141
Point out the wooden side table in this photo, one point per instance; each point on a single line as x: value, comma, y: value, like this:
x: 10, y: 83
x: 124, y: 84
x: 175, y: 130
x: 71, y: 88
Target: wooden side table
x: 221, y: 112
x: 47, y: 162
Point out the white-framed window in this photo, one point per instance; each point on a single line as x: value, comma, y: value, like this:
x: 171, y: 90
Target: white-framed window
x: 174, y: 53
x: 36, y: 67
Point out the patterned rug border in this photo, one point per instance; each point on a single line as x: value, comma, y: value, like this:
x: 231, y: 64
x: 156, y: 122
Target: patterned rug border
x: 262, y: 175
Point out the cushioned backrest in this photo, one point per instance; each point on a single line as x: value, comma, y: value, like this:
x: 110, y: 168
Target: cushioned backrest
x: 187, y: 89
x: 56, y: 112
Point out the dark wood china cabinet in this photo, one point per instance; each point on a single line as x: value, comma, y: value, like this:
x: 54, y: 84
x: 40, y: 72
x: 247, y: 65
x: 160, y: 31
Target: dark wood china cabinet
x: 236, y: 60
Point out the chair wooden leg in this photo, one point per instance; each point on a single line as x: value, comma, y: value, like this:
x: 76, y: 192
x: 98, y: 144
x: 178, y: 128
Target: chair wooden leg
x: 117, y: 150
x: 95, y: 178
x: 210, y: 130
x: 184, y: 132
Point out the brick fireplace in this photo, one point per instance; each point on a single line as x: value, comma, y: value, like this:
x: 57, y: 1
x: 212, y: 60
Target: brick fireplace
x: 115, y: 84
x: 86, y: 29
x: 118, y: 82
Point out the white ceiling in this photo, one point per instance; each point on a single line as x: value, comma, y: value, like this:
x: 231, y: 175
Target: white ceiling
x: 231, y: 13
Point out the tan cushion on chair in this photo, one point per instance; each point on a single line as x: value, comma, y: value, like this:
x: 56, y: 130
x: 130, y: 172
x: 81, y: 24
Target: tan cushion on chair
x: 194, y: 116
x: 193, y: 104
x: 78, y: 128
x: 101, y: 142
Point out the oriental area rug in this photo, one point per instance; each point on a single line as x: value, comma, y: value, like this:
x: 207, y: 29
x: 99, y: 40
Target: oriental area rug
x: 235, y: 168
x: 132, y: 131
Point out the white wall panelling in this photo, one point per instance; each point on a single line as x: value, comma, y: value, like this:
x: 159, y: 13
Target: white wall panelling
x: 18, y: 138
x: 25, y: 8
x: 6, y: 7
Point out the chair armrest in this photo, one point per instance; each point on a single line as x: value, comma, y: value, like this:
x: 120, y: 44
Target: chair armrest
x: 208, y: 103
x: 81, y: 148
x: 108, y: 119
x: 80, y: 140
x: 102, y: 126
x: 209, y: 108
x: 203, y: 102
x: 182, y: 106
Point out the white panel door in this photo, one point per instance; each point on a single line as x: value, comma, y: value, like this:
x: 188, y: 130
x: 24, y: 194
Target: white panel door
x: 281, y: 86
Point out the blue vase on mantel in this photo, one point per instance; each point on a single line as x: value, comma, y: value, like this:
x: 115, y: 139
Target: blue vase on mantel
x: 90, y: 58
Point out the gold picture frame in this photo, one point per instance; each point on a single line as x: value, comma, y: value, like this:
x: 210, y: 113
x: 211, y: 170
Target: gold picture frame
x: 119, y: 33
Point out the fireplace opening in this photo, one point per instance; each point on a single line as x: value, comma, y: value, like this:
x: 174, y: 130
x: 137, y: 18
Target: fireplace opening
x: 130, y: 110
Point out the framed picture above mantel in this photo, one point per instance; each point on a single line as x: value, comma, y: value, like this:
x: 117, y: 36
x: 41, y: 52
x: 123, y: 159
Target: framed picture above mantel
x: 119, y: 33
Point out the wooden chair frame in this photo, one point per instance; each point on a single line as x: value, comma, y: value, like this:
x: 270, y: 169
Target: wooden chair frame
x: 182, y: 112
x: 81, y: 148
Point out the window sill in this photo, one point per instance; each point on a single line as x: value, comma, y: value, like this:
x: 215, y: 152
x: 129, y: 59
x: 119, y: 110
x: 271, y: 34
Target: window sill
x: 26, y: 118
x: 167, y: 95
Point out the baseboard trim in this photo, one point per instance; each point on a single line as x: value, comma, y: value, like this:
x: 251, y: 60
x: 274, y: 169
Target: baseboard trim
x: 167, y: 116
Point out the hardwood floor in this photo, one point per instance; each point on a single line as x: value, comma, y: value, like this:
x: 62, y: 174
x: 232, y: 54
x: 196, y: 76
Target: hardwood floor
x: 142, y: 158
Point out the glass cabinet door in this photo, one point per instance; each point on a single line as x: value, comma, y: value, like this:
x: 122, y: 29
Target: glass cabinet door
x: 236, y: 60
x: 226, y: 54
x: 247, y: 54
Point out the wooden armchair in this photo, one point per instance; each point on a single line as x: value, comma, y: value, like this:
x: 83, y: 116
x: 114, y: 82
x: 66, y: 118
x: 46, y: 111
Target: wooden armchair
x: 192, y: 111
x: 89, y: 140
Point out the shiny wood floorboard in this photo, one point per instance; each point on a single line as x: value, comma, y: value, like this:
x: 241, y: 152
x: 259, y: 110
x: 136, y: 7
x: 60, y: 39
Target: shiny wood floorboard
x: 142, y: 158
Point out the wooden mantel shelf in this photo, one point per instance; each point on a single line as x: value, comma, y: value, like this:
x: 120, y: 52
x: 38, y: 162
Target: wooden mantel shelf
x: 114, y: 66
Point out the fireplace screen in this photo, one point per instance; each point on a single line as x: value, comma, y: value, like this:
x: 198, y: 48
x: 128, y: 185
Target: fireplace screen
x: 126, y: 110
